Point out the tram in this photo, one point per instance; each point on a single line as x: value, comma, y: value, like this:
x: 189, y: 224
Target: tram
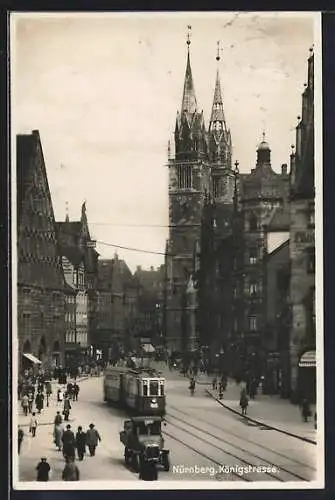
x: 141, y: 391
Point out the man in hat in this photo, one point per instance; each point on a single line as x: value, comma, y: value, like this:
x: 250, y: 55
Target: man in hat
x: 43, y: 470
x: 69, y: 443
x: 92, y: 439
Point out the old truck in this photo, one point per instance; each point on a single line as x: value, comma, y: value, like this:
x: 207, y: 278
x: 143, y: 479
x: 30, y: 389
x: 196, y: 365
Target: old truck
x: 142, y: 439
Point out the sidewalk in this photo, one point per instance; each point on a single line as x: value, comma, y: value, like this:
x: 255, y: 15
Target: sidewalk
x: 33, y: 448
x: 48, y: 413
x: 270, y: 411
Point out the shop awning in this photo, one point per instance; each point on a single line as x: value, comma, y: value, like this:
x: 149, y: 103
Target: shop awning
x: 308, y: 360
x: 32, y: 358
x: 148, y: 348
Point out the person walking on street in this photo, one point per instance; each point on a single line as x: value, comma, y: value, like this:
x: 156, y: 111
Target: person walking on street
x: 215, y: 384
x: 92, y: 439
x: 25, y: 404
x: 305, y: 410
x: 76, y: 390
x: 20, y: 436
x: 67, y: 408
x: 69, y: 443
x: 58, y: 419
x: 71, y: 471
x: 58, y: 434
x: 39, y: 401
x: 81, y: 443
x: 33, y: 425
x: 244, y: 402
x: 43, y: 470
x: 30, y: 400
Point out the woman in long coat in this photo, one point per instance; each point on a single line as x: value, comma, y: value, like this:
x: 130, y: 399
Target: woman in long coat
x: 58, y: 434
x: 39, y: 401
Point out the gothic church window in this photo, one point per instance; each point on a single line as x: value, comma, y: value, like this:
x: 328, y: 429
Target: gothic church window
x: 184, y: 176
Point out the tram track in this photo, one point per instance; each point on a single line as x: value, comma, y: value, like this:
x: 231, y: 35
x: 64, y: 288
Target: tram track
x: 203, y: 455
x: 254, y: 443
x: 189, y: 428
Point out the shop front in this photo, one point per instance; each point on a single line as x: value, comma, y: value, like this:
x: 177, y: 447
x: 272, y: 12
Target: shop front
x: 307, y: 375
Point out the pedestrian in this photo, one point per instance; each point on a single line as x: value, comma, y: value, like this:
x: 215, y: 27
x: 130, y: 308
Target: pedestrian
x: 58, y: 434
x: 33, y: 424
x: 220, y: 390
x: 315, y: 420
x: 20, y: 436
x: 58, y: 419
x: 60, y: 396
x: 67, y: 408
x: 71, y: 471
x: 39, y: 401
x: 69, y: 443
x: 92, y: 439
x: 25, y: 404
x: 76, y: 390
x: 43, y: 470
x: 81, y: 443
x: 148, y: 469
x: 214, y: 384
x: 244, y: 402
x: 305, y: 410
x: 30, y: 400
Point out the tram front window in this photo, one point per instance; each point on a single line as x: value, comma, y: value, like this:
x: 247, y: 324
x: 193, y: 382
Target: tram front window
x: 154, y: 388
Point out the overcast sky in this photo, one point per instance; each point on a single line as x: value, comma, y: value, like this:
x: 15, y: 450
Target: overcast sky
x: 104, y: 90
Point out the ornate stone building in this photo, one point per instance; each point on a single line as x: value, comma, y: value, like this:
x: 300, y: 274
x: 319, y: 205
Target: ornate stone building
x: 262, y: 194
x: 302, y: 250
x: 80, y: 259
x: 40, y: 278
x: 188, y: 183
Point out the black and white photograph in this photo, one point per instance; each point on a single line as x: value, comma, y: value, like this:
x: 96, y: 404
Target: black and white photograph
x: 167, y: 268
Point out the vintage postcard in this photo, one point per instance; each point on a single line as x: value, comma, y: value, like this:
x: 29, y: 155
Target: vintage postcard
x: 167, y: 250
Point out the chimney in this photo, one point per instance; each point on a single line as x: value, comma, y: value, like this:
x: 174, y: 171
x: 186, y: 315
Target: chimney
x: 284, y: 169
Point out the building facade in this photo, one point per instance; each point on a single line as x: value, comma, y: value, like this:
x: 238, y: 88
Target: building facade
x: 302, y: 250
x: 188, y: 182
x: 79, y: 260
x: 117, y: 308
x: 40, y: 286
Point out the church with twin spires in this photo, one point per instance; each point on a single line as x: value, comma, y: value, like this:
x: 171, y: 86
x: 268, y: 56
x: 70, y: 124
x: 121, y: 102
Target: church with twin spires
x: 200, y: 170
x: 217, y: 218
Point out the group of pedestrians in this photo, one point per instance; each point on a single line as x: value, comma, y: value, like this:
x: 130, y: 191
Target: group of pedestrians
x: 219, y: 385
x: 68, y: 442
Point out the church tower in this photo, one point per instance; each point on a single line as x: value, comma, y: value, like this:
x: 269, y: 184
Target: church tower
x: 188, y: 183
x: 220, y: 148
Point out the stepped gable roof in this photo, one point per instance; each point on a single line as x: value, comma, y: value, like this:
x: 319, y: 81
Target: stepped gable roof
x: 25, y: 152
x: 280, y: 219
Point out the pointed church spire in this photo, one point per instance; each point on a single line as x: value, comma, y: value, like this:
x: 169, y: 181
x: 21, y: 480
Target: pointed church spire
x: 67, y: 212
x: 217, y: 108
x: 189, y: 102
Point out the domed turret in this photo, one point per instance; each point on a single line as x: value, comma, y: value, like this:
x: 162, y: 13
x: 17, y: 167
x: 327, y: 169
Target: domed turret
x: 263, y: 152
